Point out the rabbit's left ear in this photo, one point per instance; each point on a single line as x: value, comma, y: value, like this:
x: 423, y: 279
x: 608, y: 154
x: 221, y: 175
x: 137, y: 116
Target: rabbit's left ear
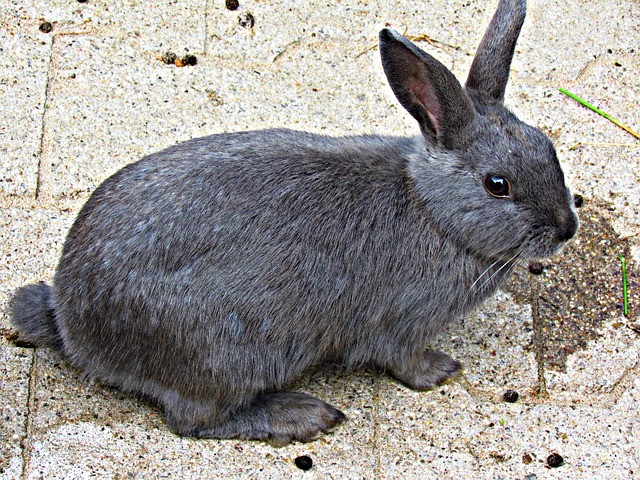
x: 490, y: 68
x: 426, y: 89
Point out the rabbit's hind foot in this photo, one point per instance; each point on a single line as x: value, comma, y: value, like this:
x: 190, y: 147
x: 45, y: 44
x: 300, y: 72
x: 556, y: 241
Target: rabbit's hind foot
x: 279, y: 418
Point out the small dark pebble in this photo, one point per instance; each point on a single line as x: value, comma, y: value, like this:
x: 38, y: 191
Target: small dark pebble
x: 536, y: 268
x: 304, y: 462
x: 526, y: 458
x: 169, y: 58
x: 189, y: 60
x: 232, y: 4
x: 82, y: 1
x: 578, y: 200
x: 510, y: 396
x: 555, y: 460
x: 45, y: 27
x: 246, y: 20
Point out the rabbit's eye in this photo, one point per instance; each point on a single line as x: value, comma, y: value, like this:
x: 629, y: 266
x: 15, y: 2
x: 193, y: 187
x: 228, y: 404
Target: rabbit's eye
x: 497, y: 186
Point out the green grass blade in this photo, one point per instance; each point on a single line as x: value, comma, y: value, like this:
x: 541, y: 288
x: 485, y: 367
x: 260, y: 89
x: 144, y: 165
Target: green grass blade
x: 625, y: 296
x: 598, y: 111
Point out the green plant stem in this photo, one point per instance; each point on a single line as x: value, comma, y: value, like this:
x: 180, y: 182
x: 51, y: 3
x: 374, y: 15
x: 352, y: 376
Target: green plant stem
x: 599, y: 112
x: 625, y: 297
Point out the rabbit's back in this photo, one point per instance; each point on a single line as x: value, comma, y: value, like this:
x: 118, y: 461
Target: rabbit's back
x: 234, y: 255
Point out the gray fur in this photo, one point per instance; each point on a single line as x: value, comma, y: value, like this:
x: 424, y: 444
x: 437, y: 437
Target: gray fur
x: 33, y: 315
x: 210, y: 275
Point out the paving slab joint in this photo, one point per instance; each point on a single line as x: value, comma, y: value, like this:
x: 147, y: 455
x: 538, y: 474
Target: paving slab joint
x: 47, y: 96
x: 26, y: 440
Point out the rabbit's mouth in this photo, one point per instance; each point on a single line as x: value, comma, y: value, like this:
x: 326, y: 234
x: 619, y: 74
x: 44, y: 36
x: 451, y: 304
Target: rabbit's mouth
x: 545, y: 245
x: 549, y: 238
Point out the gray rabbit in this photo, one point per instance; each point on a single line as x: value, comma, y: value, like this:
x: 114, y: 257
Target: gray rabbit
x: 210, y: 275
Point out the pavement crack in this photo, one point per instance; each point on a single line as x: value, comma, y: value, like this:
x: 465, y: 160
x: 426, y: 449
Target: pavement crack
x: 27, y: 440
x: 45, y: 107
x: 473, y: 453
x: 375, y: 413
x: 538, y: 346
x: 624, y: 383
x: 207, y: 24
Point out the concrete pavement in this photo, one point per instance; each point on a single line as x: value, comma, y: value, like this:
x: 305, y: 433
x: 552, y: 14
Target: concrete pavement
x: 93, y: 94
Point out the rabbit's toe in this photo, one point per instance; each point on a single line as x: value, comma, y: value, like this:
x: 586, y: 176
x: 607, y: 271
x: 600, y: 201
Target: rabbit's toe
x: 431, y: 369
x: 298, y: 416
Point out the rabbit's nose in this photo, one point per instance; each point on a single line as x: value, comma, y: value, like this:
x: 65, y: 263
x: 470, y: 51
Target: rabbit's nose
x: 567, y: 227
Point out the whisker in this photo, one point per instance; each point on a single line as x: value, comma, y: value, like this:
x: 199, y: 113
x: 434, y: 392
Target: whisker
x: 512, y: 267
x: 483, y: 273
x: 487, y: 281
x: 510, y: 264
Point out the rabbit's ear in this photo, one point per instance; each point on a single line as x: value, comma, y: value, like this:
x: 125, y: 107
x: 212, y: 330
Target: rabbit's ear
x: 490, y: 68
x: 426, y: 89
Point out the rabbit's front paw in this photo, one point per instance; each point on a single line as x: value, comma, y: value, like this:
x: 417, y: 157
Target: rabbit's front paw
x: 430, y: 369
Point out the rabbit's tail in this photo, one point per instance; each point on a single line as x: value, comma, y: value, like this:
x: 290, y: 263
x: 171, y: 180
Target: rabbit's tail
x: 33, y: 316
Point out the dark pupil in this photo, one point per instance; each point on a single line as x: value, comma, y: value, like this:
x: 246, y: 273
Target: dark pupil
x: 498, y: 186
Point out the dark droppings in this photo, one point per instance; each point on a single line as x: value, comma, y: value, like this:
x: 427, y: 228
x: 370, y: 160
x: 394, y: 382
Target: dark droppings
x: 46, y: 27
x: 536, y: 268
x: 232, y: 4
x: 190, y: 60
x: 169, y: 58
x: 510, y: 396
x: 246, y: 20
x: 581, y: 290
x: 578, y: 200
x: 555, y: 460
x: 304, y: 462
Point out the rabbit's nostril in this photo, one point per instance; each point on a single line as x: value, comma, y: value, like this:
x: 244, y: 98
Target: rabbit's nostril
x: 567, y: 229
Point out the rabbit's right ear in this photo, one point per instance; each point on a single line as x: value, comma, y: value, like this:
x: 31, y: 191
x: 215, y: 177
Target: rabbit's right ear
x: 426, y: 89
x: 490, y: 68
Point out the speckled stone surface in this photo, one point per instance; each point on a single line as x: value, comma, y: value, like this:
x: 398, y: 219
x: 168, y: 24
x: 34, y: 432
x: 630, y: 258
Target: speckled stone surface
x: 93, y: 95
